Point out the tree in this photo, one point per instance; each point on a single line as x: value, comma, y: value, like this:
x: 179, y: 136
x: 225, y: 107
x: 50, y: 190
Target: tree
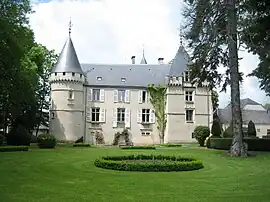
x: 212, y: 35
x: 214, y: 98
x: 158, y: 100
x: 251, y: 129
x: 216, y: 128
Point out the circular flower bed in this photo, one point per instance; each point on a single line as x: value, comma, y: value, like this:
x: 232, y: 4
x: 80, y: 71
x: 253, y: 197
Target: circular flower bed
x: 148, y: 163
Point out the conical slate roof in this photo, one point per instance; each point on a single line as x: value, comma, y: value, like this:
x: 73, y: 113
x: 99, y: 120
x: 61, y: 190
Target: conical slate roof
x: 180, y: 62
x: 68, y: 60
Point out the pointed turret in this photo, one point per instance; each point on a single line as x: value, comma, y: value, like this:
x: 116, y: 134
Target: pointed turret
x: 180, y: 62
x: 143, y: 60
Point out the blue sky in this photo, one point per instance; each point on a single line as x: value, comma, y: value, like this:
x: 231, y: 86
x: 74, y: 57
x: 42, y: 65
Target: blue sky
x: 111, y: 31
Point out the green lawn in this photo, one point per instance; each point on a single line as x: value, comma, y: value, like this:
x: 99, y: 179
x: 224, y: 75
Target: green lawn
x: 68, y: 174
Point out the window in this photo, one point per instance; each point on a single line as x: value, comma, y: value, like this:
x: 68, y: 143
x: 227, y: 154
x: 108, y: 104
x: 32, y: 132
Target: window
x: 144, y: 96
x: 146, y: 133
x: 64, y: 73
x: 99, y: 78
x: 120, y: 115
x: 70, y: 95
x: 121, y: 95
x: 145, y: 115
x: 80, y: 75
x: 189, y: 115
x: 186, y: 76
x: 123, y: 79
x: 55, y: 74
x: 189, y: 96
x: 53, y: 115
x: 258, y: 130
x: 73, y: 74
x: 95, y: 113
x: 268, y: 132
x: 96, y: 94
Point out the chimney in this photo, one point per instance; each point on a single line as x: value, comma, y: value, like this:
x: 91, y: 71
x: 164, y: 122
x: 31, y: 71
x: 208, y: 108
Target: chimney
x: 133, y: 59
x: 160, y: 60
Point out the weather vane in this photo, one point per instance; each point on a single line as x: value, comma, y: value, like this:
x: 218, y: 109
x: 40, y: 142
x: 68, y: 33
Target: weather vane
x: 69, y: 27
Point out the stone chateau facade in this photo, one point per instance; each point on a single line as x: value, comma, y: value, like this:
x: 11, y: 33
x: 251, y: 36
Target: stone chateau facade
x: 106, y: 98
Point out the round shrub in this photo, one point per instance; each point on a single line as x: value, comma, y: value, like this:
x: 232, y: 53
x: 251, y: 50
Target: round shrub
x: 18, y: 136
x: 216, y: 128
x: 148, y: 163
x: 201, y: 133
x: 46, y: 140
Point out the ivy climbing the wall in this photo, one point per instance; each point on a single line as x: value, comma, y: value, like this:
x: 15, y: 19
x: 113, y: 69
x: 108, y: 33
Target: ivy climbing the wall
x: 158, y: 100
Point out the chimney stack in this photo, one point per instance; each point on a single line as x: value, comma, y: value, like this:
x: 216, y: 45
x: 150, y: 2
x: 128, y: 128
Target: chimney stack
x: 160, y: 60
x: 133, y: 59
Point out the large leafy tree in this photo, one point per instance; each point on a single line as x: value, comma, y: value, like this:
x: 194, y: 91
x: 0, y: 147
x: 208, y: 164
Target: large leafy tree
x: 211, y: 31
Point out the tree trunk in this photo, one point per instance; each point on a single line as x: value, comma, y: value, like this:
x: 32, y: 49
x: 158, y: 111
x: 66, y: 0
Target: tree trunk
x: 238, y: 147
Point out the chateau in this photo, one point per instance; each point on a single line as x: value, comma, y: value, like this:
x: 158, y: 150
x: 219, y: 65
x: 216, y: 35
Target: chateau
x: 105, y: 98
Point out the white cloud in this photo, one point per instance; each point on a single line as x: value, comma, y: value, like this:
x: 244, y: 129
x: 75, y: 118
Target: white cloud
x: 111, y: 31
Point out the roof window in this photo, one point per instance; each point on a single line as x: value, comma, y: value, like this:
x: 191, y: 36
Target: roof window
x: 123, y: 79
x: 99, y: 78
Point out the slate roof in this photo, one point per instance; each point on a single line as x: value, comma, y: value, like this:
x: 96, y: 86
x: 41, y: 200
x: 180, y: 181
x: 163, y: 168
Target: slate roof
x: 135, y: 75
x: 257, y: 116
x: 180, y: 62
x: 68, y: 60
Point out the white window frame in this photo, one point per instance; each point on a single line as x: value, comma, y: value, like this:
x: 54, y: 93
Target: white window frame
x: 189, y: 96
x: 187, y: 76
x: 95, y: 114
x: 146, y: 133
x: 192, y: 115
x: 121, y: 95
x: 95, y: 94
x: 146, y: 113
x: 121, y: 115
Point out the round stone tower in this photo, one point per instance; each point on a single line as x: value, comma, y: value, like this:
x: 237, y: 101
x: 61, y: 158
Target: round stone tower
x: 67, y: 95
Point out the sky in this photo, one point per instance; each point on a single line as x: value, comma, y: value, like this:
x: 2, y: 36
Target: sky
x: 111, y: 31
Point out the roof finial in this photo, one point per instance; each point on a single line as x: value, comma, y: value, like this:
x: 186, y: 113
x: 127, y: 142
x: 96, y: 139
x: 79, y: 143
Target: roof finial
x: 143, y: 50
x: 69, y: 27
x: 180, y: 35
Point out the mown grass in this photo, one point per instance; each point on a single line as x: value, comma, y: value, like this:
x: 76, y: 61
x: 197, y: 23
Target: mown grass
x: 68, y: 174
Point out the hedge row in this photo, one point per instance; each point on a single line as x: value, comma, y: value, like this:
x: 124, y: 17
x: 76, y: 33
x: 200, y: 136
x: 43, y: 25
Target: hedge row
x: 137, y: 147
x: 254, y: 144
x: 81, y: 145
x: 171, y: 145
x: 148, y: 163
x: 13, y: 148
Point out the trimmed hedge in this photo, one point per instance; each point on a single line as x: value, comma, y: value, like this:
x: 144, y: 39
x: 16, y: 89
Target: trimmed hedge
x: 148, y: 163
x: 81, y: 145
x: 254, y: 144
x: 46, y: 141
x: 137, y: 147
x: 13, y: 148
x: 171, y: 145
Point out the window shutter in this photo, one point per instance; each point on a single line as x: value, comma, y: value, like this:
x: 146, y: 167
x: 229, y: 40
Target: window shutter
x: 102, y: 115
x: 88, y: 114
x: 115, y: 95
x: 140, y: 97
x: 139, y: 115
x: 102, y: 95
x: 127, y: 118
x: 126, y: 95
x: 114, y: 118
x: 90, y: 94
x: 152, y: 116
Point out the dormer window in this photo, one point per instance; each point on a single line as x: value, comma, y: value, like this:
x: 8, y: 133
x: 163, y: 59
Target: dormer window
x: 73, y: 74
x: 187, y: 76
x: 64, y: 73
x: 55, y: 74
x: 99, y: 78
x: 80, y: 75
x: 123, y: 79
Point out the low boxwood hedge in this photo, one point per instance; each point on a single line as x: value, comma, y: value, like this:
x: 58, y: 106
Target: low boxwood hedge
x: 137, y: 147
x: 81, y: 145
x: 254, y: 144
x: 171, y: 145
x: 46, y: 141
x: 13, y: 148
x: 148, y: 163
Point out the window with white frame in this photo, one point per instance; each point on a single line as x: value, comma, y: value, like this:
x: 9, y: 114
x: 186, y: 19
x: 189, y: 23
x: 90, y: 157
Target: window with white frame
x: 121, y: 95
x: 70, y: 95
x: 189, y: 115
x: 189, y: 96
x: 121, y: 115
x: 144, y: 96
x: 145, y: 115
x: 95, y: 114
x: 96, y: 95
x: 187, y: 76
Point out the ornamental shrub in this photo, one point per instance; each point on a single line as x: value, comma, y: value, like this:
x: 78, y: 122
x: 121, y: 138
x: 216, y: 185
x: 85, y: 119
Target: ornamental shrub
x: 46, y: 140
x: 216, y: 128
x: 228, y: 133
x: 138, y: 147
x: 81, y: 145
x: 3, y: 140
x: 251, y: 129
x: 13, y: 148
x: 201, y: 133
x: 19, y: 136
